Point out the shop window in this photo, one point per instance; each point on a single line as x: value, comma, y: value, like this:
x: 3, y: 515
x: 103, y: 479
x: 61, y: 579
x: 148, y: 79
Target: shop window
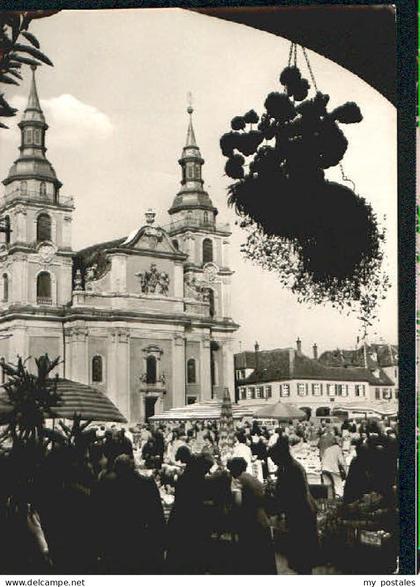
x: 259, y: 392
x: 268, y: 391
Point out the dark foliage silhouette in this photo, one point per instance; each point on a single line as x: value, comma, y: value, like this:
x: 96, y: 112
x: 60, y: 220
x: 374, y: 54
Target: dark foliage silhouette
x: 322, y: 238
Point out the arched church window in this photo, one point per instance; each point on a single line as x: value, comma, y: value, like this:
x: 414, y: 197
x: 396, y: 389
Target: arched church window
x: 190, y: 171
x: 97, y: 369
x: 43, y: 288
x: 43, y: 228
x: 5, y: 287
x: 191, y: 372
x: 210, y: 297
x: 37, y: 137
x: 28, y: 135
x: 43, y: 188
x: 206, y: 217
x: 7, y: 229
x: 151, y: 369
x: 24, y: 187
x: 207, y: 250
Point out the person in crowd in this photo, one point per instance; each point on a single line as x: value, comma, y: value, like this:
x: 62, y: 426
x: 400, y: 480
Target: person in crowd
x: 241, y: 449
x: 255, y: 548
x: 189, y: 522
x: 358, y: 480
x: 333, y: 467
x: 130, y: 525
x: 293, y: 499
x: 326, y: 439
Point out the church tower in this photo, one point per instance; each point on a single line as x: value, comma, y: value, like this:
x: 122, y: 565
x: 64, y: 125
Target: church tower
x: 195, y: 231
x: 36, y: 255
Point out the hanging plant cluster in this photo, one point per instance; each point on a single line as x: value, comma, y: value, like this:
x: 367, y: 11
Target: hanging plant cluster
x: 322, y: 238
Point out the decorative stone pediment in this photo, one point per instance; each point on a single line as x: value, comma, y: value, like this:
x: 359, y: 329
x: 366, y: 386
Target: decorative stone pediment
x: 150, y: 237
x: 154, y: 281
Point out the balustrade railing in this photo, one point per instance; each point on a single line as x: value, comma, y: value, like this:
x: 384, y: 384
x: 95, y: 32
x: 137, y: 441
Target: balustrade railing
x: 37, y: 196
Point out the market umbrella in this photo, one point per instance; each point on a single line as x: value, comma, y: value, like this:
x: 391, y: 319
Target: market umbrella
x: 227, y: 428
x: 206, y: 410
x: 280, y: 411
x: 75, y: 398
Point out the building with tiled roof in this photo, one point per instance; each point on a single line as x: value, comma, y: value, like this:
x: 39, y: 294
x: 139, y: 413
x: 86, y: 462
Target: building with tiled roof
x: 145, y: 318
x: 317, y: 384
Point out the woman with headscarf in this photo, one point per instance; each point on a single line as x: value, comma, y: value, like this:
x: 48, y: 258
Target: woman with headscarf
x: 292, y: 497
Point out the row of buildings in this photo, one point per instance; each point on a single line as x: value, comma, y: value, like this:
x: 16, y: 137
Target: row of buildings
x: 339, y: 380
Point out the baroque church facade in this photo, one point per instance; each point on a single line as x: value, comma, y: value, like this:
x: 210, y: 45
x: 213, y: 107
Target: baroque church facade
x: 145, y: 318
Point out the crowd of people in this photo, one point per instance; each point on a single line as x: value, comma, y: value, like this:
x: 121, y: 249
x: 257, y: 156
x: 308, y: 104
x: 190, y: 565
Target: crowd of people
x: 172, y: 498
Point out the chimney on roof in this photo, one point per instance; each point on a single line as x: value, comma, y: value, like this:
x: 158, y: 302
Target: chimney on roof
x: 256, y: 349
x: 299, y: 345
x: 315, y: 350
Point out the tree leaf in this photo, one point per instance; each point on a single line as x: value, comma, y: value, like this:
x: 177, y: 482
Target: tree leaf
x: 31, y: 38
x: 26, y: 60
x: 5, y: 79
x: 15, y: 73
x: 6, y: 112
x: 34, y: 52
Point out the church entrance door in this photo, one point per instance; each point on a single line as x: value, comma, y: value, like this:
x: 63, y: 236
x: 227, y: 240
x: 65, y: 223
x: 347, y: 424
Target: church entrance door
x: 149, y: 407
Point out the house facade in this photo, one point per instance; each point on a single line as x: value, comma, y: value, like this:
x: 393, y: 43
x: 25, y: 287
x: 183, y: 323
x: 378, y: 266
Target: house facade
x: 311, y: 383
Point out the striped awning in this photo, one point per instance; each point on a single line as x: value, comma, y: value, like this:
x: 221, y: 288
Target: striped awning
x: 78, y: 398
x: 384, y: 408
x: 206, y: 410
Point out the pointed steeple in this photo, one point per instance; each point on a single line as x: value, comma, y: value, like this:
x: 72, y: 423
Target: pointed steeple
x: 33, y: 109
x: 190, y: 142
x: 32, y: 173
x: 192, y: 195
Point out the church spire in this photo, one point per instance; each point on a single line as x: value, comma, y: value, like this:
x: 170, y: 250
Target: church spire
x: 192, y: 195
x: 190, y: 142
x: 32, y: 174
x: 33, y: 109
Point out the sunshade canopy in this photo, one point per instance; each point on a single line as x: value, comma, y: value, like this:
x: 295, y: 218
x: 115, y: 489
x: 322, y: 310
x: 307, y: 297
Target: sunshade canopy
x: 207, y: 410
x: 87, y: 401
x: 280, y: 411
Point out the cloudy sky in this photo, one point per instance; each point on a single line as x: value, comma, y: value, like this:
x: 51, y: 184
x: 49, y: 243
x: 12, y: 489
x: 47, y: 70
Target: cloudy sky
x: 116, y: 105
